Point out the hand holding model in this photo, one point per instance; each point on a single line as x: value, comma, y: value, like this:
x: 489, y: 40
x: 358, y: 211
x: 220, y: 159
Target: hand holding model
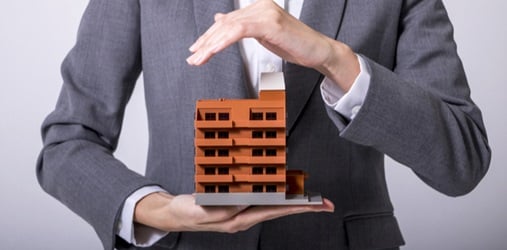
x: 180, y: 213
x: 283, y: 35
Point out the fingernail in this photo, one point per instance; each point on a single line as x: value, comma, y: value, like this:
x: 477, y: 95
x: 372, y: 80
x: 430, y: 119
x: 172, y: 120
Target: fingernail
x: 189, y: 60
x: 198, y: 59
x: 192, y: 47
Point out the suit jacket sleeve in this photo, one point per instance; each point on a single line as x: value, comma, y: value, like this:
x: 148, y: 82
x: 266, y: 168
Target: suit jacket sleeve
x: 77, y: 165
x: 420, y: 112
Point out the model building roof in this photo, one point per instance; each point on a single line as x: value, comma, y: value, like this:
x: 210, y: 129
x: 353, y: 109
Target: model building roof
x: 272, y: 81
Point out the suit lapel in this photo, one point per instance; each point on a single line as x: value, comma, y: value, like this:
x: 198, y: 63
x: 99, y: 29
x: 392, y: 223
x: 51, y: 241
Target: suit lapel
x: 325, y: 17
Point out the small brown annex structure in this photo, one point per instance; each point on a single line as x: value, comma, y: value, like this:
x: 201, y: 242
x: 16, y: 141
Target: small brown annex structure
x: 240, y: 151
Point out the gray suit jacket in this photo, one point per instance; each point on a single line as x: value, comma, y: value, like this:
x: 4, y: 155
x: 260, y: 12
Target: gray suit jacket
x: 418, y: 111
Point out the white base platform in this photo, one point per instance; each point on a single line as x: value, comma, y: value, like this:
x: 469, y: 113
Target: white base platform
x: 235, y: 199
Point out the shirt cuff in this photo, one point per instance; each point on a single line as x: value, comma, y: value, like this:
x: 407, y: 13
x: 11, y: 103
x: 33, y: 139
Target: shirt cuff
x: 138, y: 234
x: 347, y: 104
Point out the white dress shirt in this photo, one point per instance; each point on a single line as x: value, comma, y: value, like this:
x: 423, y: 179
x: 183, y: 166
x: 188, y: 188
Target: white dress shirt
x: 257, y: 60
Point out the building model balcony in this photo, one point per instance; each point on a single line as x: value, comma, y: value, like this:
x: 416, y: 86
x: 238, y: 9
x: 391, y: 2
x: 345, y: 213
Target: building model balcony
x: 240, y: 151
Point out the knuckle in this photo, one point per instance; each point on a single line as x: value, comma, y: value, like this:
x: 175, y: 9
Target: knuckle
x: 241, y: 29
x: 220, y: 20
x: 273, y: 19
x: 218, y: 16
x: 274, y: 14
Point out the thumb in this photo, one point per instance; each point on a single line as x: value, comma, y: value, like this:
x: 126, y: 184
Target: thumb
x: 219, y: 16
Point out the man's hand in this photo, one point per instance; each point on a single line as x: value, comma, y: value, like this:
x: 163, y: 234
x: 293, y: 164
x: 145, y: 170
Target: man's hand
x: 282, y: 34
x: 179, y: 213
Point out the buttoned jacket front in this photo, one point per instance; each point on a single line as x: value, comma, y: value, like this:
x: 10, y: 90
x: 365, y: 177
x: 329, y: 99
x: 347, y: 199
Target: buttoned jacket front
x: 417, y: 110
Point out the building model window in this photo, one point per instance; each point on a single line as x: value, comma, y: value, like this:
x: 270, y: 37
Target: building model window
x: 270, y: 115
x: 209, y: 171
x: 224, y: 189
x: 257, y: 188
x: 223, y: 134
x: 209, y: 189
x: 210, y: 116
x: 209, y: 135
x: 223, y: 116
x: 240, y: 152
x: 271, y: 188
x: 270, y: 152
x: 270, y: 134
x: 223, y: 171
x: 256, y: 152
x: 256, y: 116
x: 271, y: 170
x: 223, y: 152
x: 256, y: 134
x: 257, y: 170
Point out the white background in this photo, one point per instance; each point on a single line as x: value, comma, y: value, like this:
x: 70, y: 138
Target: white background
x: 36, y: 35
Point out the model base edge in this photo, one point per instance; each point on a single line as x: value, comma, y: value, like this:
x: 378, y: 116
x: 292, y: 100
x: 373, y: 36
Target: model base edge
x: 236, y: 199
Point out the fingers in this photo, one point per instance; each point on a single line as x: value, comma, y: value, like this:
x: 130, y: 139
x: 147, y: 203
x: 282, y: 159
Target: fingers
x: 184, y: 215
x: 231, y: 27
x: 218, y: 16
x: 255, y: 215
x: 198, y: 43
x: 327, y: 206
x: 264, y: 213
x: 218, y: 37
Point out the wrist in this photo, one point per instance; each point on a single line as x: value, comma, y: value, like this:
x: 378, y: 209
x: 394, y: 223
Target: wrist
x: 152, y: 210
x: 341, y: 65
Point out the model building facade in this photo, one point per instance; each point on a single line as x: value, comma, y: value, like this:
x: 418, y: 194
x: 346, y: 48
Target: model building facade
x: 240, y: 151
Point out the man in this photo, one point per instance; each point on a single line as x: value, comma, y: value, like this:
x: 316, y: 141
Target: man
x: 364, y: 79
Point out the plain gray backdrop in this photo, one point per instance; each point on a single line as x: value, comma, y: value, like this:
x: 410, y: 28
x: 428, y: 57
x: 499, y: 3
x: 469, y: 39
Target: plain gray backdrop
x: 36, y: 35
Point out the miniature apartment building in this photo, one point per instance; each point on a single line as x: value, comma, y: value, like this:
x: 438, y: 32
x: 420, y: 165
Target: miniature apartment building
x: 240, y: 151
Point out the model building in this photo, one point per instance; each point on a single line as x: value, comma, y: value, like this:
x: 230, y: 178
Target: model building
x: 240, y: 151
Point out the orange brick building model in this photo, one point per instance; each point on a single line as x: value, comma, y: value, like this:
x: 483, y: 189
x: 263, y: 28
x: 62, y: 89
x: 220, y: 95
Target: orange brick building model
x: 240, y: 151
